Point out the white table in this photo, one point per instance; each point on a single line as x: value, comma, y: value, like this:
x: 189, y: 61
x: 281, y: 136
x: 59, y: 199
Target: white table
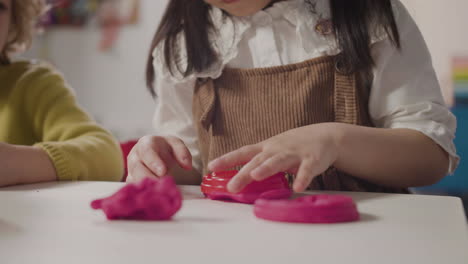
x: 53, y: 223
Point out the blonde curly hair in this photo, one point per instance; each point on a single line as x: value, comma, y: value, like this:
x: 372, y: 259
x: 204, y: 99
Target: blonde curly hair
x: 24, y: 16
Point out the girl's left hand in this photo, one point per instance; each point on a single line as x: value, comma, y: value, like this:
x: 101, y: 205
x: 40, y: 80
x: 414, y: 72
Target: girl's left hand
x: 307, y: 152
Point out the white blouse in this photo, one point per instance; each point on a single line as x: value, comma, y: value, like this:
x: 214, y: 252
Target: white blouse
x: 405, y: 91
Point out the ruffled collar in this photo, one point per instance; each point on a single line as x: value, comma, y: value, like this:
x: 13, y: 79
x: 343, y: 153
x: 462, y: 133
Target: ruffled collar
x: 304, y: 15
x: 294, y: 11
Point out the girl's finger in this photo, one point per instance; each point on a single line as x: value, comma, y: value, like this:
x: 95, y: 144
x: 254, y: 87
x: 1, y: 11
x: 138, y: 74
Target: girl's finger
x: 180, y: 152
x: 235, y: 158
x: 238, y: 182
x: 152, y: 160
x: 308, y: 170
x: 138, y: 172
x: 275, y: 164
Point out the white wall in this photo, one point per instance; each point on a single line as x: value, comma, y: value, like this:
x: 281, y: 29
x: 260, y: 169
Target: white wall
x: 444, y: 25
x: 111, y: 85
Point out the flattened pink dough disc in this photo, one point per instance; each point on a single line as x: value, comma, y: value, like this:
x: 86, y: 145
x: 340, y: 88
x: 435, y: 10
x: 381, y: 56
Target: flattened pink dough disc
x: 308, y: 209
x: 150, y: 199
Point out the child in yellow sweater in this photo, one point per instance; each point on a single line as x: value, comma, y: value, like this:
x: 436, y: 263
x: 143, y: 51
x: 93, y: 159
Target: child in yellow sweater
x: 44, y: 134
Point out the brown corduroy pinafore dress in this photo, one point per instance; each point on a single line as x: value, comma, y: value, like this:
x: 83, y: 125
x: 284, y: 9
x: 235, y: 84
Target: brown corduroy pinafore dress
x: 247, y: 106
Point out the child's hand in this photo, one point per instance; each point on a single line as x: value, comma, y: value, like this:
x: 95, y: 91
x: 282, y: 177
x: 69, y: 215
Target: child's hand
x: 154, y: 156
x: 24, y: 165
x: 306, y: 152
x: 6, y: 177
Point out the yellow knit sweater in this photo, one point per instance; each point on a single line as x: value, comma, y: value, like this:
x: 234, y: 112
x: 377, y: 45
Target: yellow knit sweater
x: 38, y: 109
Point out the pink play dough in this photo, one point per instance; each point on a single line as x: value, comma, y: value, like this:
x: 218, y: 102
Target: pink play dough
x: 274, y: 187
x: 150, y: 199
x: 308, y: 209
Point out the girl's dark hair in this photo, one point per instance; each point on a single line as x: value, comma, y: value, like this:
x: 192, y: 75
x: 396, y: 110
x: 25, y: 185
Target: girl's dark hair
x: 354, y: 22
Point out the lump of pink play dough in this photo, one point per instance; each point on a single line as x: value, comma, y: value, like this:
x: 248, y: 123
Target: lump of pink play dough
x: 275, y: 187
x: 308, y: 209
x: 150, y: 199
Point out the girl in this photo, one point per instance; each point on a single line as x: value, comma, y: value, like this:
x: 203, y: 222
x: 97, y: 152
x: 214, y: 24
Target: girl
x: 340, y: 93
x: 44, y: 135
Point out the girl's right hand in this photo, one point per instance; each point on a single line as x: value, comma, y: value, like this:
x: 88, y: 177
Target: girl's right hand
x: 154, y: 156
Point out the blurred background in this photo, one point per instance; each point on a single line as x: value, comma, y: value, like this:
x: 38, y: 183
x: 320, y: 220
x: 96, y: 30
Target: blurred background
x: 101, y: 47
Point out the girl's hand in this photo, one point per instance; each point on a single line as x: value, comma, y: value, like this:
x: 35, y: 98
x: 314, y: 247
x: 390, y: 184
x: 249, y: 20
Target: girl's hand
x: 306, y: 151
x: 154, y: 156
